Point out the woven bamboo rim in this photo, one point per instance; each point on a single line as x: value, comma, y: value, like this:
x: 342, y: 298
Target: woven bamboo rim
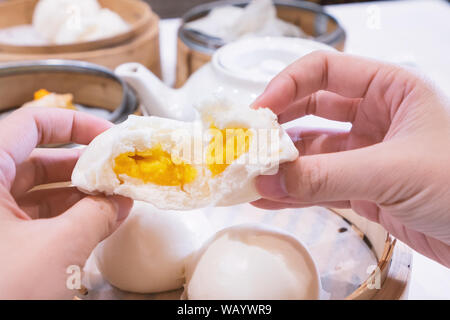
x: 143, y: 49
x: 394, y: 261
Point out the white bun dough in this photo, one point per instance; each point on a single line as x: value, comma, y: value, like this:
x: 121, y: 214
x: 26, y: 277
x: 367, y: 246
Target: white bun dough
x: 147, y: 252
x: 252, y: 262
x: 71, y: 21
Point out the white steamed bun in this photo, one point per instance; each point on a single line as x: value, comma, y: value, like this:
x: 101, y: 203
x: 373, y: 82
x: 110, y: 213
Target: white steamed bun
x: 251, y: 262
x: 147, y: 253
x: 71, y: 21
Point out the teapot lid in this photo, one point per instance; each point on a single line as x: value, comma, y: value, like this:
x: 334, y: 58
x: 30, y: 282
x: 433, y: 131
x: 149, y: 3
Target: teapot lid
x: 259, y: 59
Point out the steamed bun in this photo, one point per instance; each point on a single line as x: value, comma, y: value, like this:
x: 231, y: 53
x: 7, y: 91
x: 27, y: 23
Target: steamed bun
x: 251, y: 262
x: 71, y: 21
x: 147, y: 253
x: 181, y: 165
x: 259, y: 18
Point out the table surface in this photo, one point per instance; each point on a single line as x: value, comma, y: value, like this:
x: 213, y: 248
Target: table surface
x: 409, y: 32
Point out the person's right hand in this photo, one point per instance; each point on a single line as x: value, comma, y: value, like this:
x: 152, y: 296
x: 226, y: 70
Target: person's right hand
x: 392, y: 167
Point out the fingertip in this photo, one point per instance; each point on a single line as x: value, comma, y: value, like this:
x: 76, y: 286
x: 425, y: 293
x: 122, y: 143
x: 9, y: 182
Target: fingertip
x: 257, y: 103
x: 123, y: 206
x: 272, y: 187
x: 261, y: 204
x: 264, y: 99
x: 87, y: 126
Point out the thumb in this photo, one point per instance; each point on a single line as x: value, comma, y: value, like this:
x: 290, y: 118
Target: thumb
x: 91, y: 220
x: 348, y: 175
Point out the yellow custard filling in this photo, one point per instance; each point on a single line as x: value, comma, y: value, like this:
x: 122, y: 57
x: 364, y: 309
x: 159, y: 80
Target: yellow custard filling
x: 158, y: 167
x: 154, y: 166
x: 63, y: 101
x: 226, y: 146
x: 40, y: 94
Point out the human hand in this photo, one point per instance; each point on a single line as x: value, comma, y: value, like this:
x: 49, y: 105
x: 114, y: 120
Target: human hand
x: 392, y: 167
x: 44, y: 232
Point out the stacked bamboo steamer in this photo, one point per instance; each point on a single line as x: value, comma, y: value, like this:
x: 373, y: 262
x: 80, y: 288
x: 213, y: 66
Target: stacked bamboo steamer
x: 139, y: 44
x: 195, y: 50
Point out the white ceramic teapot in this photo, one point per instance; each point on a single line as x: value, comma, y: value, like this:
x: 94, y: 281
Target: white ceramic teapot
x: 239, y: 71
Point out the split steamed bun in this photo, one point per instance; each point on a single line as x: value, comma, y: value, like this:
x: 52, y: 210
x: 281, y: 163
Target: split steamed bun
x: 251, y: 262
x: 71, y: 21
x: 183, y: 165
x: 147, y: 253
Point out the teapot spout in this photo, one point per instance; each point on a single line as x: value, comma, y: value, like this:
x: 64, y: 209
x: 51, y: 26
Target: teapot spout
x: 156, y: 98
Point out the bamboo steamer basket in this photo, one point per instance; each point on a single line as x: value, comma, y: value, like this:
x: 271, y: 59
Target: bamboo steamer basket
x: 139, y: 44
x: 390, y: 277
x: 324, y: 232
x: 19, y: 12
x: 393, y: 270
x: 92, y: 86
x: 195, y: 50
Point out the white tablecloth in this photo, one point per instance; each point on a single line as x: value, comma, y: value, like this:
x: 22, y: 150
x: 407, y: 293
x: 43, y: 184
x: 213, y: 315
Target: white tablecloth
x: 415, y: 33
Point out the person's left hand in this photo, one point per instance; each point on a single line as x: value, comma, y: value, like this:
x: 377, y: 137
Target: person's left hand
x: 44, y: 232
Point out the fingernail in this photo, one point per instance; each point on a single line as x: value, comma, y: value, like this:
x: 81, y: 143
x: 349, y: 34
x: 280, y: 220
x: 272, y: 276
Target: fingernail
x: 272, y: 187
x: 257, y: 103
x: 123, y: 206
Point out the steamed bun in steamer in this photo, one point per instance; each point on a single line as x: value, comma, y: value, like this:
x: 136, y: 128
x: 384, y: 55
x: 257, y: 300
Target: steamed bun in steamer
x: 251, y: 262
x: 147, y: 253
x: 108, y: 23
x: 52, y: 15
x: 258, y: 18
x: 71, y: 21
